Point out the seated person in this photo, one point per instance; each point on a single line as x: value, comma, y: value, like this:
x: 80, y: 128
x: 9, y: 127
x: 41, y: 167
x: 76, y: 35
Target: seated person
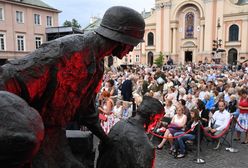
x: 192, y: 124
x: 169, y: 110
x: 208, y: 101
x: 129, y: 145
x: 117, y: 110
x: 178, y: 123
x: 203, y: 113
x: 219, y: 121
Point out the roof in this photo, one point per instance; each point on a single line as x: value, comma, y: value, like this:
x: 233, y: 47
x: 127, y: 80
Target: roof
x: 145, y: 14
x: 37, y: 3
x: 62, y: 29
x: 97, y: 22
x: 242, y: 2
x: 93, y: 25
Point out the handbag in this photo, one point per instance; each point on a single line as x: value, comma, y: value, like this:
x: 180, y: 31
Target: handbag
x: 174, y: 126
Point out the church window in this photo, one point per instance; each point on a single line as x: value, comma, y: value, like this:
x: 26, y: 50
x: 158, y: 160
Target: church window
x: 150, y: 37
x: 234, y: 33
x: 189, y: 25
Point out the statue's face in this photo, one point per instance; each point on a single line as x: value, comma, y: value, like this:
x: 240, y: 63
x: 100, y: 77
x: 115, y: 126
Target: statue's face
x: 122, y: 50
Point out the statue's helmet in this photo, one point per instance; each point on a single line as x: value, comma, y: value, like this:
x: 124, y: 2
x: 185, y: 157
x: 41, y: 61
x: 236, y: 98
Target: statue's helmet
x: 122, y: 24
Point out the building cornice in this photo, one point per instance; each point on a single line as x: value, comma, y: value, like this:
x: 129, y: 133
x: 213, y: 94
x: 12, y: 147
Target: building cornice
x: 151, y: 24
x: 236, y: 14
x: 31, y: 6
x: 160, y: 5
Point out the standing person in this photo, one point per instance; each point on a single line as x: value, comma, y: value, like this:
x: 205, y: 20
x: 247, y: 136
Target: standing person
x: 127, y: 89
x: 159, y: 76
x: 126, y: 110
x: 106, y: 109
x: 62, y: 77
x: 243, y: 116
x: 129, y: 145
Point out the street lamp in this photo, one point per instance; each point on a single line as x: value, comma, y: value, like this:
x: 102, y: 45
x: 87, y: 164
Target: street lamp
x: 217, y: 45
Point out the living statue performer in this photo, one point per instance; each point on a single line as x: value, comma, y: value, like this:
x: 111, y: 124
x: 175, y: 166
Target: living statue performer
x: 61, y: 79
x: 129, y: 145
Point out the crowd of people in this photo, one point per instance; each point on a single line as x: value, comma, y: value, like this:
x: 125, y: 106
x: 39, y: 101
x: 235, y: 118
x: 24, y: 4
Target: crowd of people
x: 191, y: 94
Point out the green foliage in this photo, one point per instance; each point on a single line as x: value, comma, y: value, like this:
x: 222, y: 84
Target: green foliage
x: 160, y: 60
x: 67, y: 23
x: 73, y: 23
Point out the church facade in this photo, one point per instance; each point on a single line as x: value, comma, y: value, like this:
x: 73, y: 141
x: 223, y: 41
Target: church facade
x: 194, y: 31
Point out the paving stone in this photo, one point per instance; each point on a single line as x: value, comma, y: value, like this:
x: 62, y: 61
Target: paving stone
x: 213, y: 158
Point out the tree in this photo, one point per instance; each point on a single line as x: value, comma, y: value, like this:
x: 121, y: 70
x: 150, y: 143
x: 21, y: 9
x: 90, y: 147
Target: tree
x: 67, y: 23
x: 73, y: 23
x: 160, y: 60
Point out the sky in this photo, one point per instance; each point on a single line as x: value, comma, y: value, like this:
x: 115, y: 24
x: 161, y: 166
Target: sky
x: 82, y: 10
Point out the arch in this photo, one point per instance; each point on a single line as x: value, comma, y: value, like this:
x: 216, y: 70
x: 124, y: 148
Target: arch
x: 189, y: 25
x: 234, y: 32
x: 232, y: 56
x: 189, y: 44
x: 150, y: 39
x: 150, y: 58
x: 199, y: 6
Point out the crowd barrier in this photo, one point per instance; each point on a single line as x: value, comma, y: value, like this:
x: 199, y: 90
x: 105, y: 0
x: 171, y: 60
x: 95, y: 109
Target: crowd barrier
x: 198, y: 160
x: 240, y: 125
x: 205, y: 132
x: 174, y: 137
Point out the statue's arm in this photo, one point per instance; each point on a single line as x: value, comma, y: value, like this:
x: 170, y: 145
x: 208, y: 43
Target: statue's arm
x: 91, y: 120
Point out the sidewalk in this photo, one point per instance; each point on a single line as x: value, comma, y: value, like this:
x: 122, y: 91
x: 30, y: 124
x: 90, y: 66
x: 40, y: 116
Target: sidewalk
x: 214, y: 158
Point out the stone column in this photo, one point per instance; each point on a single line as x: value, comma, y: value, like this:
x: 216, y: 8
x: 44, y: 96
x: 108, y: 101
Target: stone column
x: 166, y: 20
x: 201, y: 38
x: 174, y: 40
x: 158, y: 28
x: 243, y: 34
x: 209, y: 28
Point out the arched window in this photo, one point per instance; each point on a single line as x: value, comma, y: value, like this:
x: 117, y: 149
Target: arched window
x: 234, y: 33
x: 150, y: 38
x: 150, y: 58
x: 232, y: 56
x: 189, y: 25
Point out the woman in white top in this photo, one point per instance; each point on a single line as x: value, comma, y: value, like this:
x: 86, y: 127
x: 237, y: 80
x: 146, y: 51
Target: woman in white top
x: 118, y: 109
x: 106, y: 108
x: 178, y: 123
x: 169, y: 109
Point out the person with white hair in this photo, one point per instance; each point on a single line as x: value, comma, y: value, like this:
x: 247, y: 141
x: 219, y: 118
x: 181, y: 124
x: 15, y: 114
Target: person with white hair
x: 182, y: 93
x: 127, y: 110
x: 117, y: 111
x: 209, y: 101
x: 189, y: 102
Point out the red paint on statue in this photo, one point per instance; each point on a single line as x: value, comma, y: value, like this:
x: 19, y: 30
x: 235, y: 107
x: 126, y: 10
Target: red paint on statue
x: 155, y: 119
x: 76, y: 77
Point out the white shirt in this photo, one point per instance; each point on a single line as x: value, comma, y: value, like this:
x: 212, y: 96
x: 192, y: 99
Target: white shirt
x: 169, y: 111
x: 220, y: 119
x: 190, y: 105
